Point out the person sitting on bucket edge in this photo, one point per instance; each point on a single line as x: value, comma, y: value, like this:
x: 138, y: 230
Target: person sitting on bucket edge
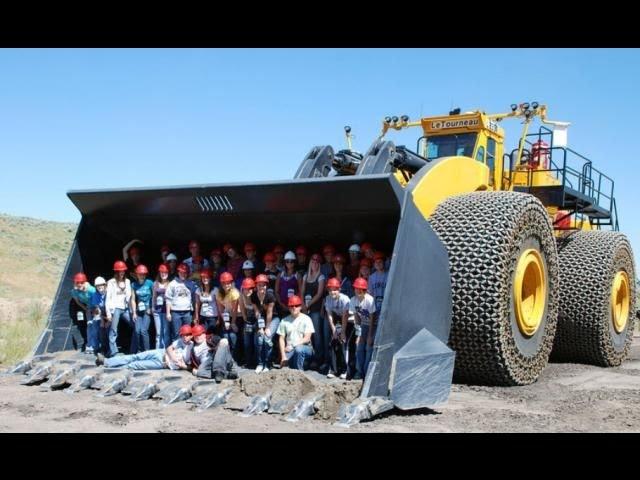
x: 176, y: 356
x: 211, y: 355
x: 79, y: 309
x: 295, y: 332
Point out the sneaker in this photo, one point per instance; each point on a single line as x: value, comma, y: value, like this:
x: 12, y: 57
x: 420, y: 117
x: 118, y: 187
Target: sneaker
x: 259, y: 369
x: 330, y: 375
x: 343, y: 376
x: 265, y: 369
x: 218, y: 376
x: 89, y: 351
x: 99, y: 359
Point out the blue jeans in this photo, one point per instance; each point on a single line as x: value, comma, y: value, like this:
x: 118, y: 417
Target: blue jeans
x: 264, y: 344
x: 178, y: 319
x: 162, y: 328
x: 118, y: 313
x: 149, y: 360
x: 142, y: 331
x: 363, y: 352
x: 93, y: 333
x: 209, y: 322
x: 249, y: 345
x: 299, y: 356
x: 321, y: 338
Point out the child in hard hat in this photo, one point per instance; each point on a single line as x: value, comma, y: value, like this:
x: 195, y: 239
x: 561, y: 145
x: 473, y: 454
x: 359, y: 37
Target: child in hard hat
x: 264, y: 304
x: 227, y: 300
x: 378, y: 279
x: 295, y: 332
x: 206, y: 312
x: 142, y: 291
x: 312, y: 292
x: 117, y: 305
x: 79, y: 308
x: 341, y: 324
x: 96, y: 327
x: 250, y: 327
x: 179, y: 300
x: 163, y: 328
x: 362, y: 306
x: 250, y: 252
x: 287, y: 283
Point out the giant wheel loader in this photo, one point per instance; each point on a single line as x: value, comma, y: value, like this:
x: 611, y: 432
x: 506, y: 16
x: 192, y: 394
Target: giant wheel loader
x: 501, y: 259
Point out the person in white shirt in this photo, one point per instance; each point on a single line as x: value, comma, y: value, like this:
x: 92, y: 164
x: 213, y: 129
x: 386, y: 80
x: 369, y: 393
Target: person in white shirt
x: 343, y: 341
x: 295, y: 332
x: 178, y: 300
x: 117, y: 303
x: 363, y: 307
x: 177, y: 356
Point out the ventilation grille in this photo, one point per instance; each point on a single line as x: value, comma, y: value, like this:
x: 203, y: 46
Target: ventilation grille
x: 214, y: 203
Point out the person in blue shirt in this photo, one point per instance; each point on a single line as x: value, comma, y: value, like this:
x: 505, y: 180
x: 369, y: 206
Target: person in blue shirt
x: 97, y: 330
x: 79, y: 306
x: 142, y: 290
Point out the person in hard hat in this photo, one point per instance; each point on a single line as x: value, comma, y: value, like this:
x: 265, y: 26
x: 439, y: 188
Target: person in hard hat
x: 378, y: 279
x: 365, y: 268
x: 117, y: 305
x: 216, y: 266
x: 250, y: 326
x: 301, y: 260
x: 134, y: 258
x: 206, y: 312
x: 179, y: 300
x: 194, y: 249
x: 295, y: 331
x: 81, y: 294
x: 353, y: 269
x: 248, y: 271
x: 312, y: 292
x: 142, y: 291
x: 96, y: 328
x: 340, y: 320
x: 267, y: 319
x: 172, y: 263
x: 363, y: 307
x: 278, y: 250
x: 271, y: 271
x: 163, y: 328
x: 367, y: 251
x: 287, y: 283
x: 227, y: 300
x: 164, y: 251
x: 176, y: 356
x: 339, y: 274
x: 328, y: 252
x: 250, y: 253
x: 213, y: 359
x: 234, y: 260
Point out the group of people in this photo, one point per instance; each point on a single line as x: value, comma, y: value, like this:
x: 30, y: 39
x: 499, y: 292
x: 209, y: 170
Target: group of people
x: 206, y: 314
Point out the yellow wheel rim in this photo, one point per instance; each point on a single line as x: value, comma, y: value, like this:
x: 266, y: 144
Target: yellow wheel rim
x: 620, y: 301
x: 530, y: 292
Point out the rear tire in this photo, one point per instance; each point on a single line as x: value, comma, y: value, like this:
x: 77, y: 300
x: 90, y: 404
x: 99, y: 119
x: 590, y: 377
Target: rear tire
x: 486, y: 235
x: 587, y: 333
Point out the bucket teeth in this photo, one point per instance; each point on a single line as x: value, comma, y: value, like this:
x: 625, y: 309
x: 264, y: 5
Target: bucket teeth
x: 258, y: 404
x: 362, y: 409
x: 305, y: 408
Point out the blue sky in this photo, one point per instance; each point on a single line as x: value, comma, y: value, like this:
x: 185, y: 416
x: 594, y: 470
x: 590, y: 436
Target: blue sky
x: 87, y: 118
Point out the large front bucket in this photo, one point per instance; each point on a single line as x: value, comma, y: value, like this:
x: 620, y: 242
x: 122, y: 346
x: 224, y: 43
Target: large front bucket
x: 414, y: 321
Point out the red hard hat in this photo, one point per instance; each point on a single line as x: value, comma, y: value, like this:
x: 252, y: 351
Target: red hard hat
x: 183, y: 267
x: 193, y: 243
x: 133, y: 250
x: 249, y: 246
x: 163, y: 268
x: 294, y: 301
x: 165, y: 248
x: 366, y: 246
x: 226, y: 277
x: 185, y: 330
x: 333, y: 283
x: 278, y: 249
x: 248, y: 283
x: 301, y: 250
x: 119, y: 266
x: 216, y: 251
x: 205, y: 272
x: 269, y: 257
x: 379, y: 256
x: 328, y: 249
x: 262, y: 278
x: 198, y: 330
x: 317, y: 257
x: 79, y: 278
x: 142, y: 270
x: 365, y: 262
x: 226, y: 247
x: 339, y: 259
x: 360, y: 283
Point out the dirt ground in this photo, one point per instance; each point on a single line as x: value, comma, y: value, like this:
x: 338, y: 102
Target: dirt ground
x: 567, y: 398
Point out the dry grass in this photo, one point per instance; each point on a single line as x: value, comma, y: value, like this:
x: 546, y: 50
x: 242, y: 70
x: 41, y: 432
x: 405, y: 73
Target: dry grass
x: 17, y: 335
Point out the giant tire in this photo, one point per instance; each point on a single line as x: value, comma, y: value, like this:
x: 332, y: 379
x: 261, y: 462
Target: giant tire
x: 589, y: 261
x: 485, y: 234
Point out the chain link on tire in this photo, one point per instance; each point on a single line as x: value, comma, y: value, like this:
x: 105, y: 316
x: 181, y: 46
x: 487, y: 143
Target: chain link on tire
x: 589, y: 260
x: 484, y: 233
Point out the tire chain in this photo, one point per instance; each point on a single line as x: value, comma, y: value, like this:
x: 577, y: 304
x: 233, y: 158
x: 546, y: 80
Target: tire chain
x: 483, y: 233
x: 589, y: 261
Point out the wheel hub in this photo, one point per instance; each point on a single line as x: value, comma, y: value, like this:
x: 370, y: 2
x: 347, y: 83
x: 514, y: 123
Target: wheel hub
x: 529, y: 292
x: 620, y: 301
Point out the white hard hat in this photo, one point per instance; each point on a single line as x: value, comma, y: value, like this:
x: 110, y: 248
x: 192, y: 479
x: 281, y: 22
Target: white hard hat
x: 99, y: 281
x: 171, y: 256
x: 247, y: 265
x: 354, y: 248
x: 289, y: 255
